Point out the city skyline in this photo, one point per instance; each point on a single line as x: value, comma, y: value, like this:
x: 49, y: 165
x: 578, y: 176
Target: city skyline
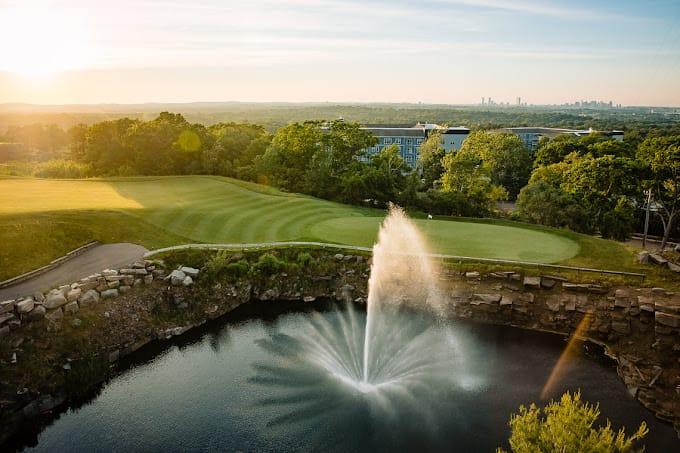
x: 434, y: 51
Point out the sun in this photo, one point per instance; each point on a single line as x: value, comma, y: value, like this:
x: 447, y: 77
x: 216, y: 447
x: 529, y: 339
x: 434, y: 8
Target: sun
x: 40, y: 42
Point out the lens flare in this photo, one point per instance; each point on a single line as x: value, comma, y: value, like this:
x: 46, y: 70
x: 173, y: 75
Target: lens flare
x: 562, y: 365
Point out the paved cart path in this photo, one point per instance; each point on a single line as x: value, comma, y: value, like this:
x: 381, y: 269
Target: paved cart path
x: 89, y: 262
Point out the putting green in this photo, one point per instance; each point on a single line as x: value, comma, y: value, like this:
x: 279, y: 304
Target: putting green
x: 44, y: 219
x: 460, y: 238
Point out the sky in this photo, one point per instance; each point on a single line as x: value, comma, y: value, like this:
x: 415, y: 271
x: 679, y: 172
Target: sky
x: 430, y: 51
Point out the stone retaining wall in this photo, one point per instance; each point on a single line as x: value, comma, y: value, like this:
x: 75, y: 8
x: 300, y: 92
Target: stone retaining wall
x: 639, y: 326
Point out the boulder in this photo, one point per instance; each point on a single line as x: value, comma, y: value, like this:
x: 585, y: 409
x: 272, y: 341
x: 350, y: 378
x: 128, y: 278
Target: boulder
x: 7, y: 306
x: 26, y: 305
x: 339, y: 256
x: 674, y: 267
x: 89, y: 297
x: 575, y: 286
x: 188, y: 281
x: 74, y: 294
x: 622, y: 302
x: 55, y: 299
x: 532, y: 282
x: 176, y: 277
x: 64, y: 289
x: 190, y: 271
x: 109, y: 272
x: 643, y: 257
x: 148, y: 279
x: 488, y: 299
x: 6, y: 318
x: 667, y: 319
x: 109, y: 293
x: 677, y: 248
x: 54, y: 315
x: 553, y: 304
x: 36, y: 314
x: 506, y: 300
x: 136, y: 271
x: 71, y: 307
x: 38, y: 297
x: 4, y: 331
x: 113, y: 284
x: 124, y: 289
x: 88, y: 285
x: 472, y: 274
x: 648, y: 308
x: 308, y: 299
x: 137, y: 282
x: 657, y: 259
x: 667, y: 307
x: 547, y: 282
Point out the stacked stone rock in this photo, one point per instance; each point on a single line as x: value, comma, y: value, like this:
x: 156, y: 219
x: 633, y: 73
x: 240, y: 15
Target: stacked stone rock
x: 183, y: 276
x: 69, y: 299
x: 609, y: 315
x: 646, y: 257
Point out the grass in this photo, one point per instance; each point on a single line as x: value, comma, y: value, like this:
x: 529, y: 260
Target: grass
x: 41, y: 219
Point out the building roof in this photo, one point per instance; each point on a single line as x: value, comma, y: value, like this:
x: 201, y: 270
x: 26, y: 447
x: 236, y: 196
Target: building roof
x: 397, y: 131
x: 552, y: 131
x: 419, y: 130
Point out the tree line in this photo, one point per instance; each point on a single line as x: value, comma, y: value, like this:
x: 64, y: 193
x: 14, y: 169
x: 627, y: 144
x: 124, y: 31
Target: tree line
x: 591, y: 184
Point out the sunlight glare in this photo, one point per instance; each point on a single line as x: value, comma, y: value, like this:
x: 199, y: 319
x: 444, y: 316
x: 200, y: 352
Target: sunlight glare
x: 41, y: 42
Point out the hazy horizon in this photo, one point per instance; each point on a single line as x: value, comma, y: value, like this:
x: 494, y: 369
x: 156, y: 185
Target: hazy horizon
x: 447, y: 52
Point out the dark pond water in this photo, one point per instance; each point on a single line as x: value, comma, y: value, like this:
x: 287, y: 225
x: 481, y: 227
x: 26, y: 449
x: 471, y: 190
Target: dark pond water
x: 228, y: 388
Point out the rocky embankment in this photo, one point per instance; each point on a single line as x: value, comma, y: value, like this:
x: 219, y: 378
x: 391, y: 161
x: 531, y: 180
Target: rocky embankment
x: 58, y: 347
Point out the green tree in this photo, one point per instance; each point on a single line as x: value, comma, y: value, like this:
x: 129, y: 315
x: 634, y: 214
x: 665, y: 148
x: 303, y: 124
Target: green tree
x: 568, y: 426
x: 78, y: 141
x: 229, y: 149
x: 430, y: 159
x: 384, y: 176
x: 556, y: 150
x: 603, y: 185
x: 287, y: 159
x: 107, y: 147
x: 467, y: 178
x: 661, y: 157
x: 246, y: 163
x: 545, y: 204
x: 504, y: 155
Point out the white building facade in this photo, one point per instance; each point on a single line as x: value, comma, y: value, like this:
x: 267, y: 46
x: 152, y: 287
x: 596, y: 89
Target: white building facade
x: 409, y: 140
x: 532, y: 135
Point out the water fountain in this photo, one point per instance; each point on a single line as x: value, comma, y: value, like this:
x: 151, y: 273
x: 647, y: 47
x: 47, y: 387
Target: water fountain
x: 391, y: 362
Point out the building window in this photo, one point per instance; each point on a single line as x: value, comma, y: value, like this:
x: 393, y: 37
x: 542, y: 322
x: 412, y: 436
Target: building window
x: 397, y: 141
x: 409, y: 141
x: 387, y: 140
x: 419, y: 141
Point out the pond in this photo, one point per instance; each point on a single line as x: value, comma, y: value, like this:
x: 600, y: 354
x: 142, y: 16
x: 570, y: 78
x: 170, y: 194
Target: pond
x: 232, y: 385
